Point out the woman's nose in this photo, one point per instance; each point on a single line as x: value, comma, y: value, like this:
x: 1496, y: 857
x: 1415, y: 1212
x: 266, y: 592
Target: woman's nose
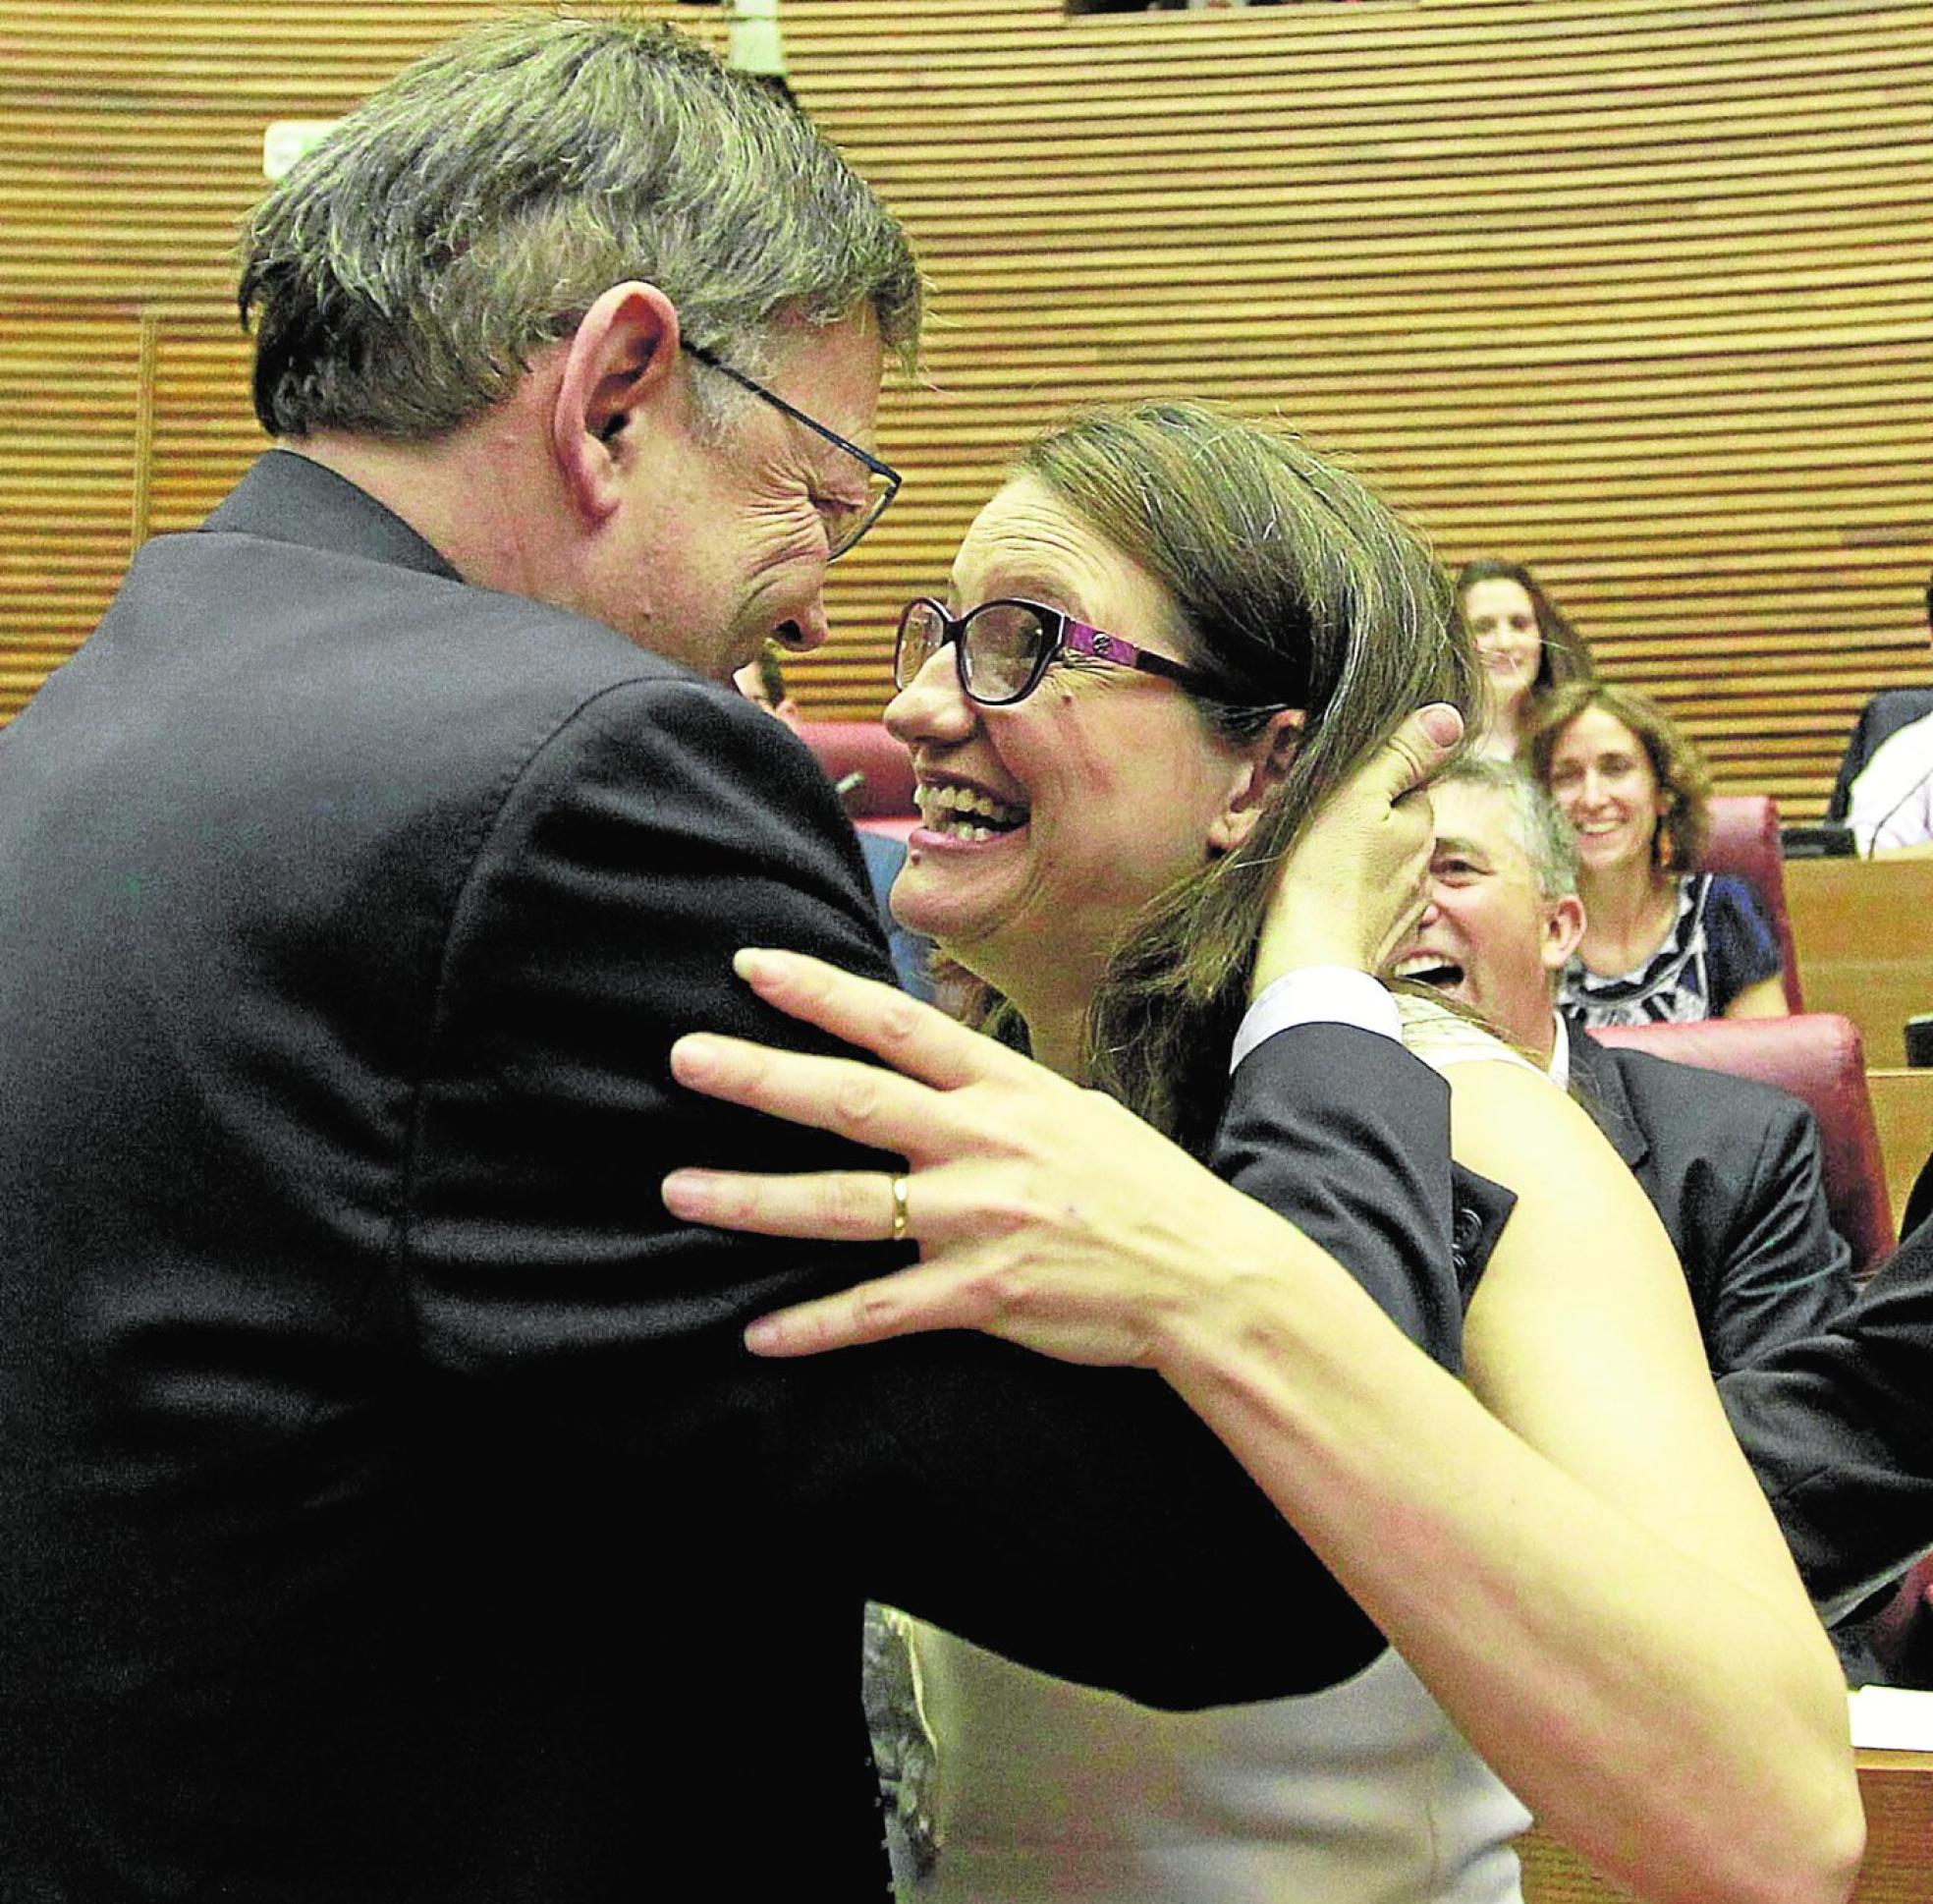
x: 1582, y: 793
x: 932, y: 705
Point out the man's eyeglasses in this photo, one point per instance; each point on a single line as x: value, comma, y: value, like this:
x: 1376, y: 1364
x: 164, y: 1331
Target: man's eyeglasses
x: 1002, y: 647
x: 846, y: 518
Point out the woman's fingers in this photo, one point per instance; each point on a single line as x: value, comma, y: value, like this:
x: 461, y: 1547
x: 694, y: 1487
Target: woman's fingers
x: 923, y: 1107
x: 871, y: 1311
x: 973, y: 1205
x: 833, y: 1206
x: 1354, y: 886
x: 1417, y: 749
x: 912, y: 1037
x: 855, y: 1100
x: 973, y: 1293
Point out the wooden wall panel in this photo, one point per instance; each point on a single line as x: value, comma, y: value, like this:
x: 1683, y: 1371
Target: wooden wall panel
x: 72, y: 420
x: 1640, y: 292
x: 205, y: 434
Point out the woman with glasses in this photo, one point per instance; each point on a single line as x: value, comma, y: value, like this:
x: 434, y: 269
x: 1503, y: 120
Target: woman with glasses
x: 1149, y: 726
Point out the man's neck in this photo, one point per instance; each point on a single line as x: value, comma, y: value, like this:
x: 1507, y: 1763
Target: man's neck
x: 452, y: 492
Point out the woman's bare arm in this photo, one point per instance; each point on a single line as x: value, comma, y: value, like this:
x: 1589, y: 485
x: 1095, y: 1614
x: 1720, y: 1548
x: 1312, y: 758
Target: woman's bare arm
x: 1583, y: 1570
x: 1762, y: 998
x: 1586, y: 1578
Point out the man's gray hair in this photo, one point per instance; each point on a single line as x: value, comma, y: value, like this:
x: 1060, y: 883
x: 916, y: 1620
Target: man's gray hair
x: 1542, y: 834
x: 473, y: 209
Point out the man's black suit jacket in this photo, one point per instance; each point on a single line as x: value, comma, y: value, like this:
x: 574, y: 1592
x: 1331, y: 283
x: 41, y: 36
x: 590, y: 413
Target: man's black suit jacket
x: 388, y: 1512
x: 1839, y: 1428
x: 1734, y: 1169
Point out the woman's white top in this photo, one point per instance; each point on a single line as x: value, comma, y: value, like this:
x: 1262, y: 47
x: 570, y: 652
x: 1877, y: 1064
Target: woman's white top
x: 1362, y: 1793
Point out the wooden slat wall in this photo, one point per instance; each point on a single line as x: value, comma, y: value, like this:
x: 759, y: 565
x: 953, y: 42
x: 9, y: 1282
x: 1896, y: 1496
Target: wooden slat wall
x: 1639, y: 291
x: 70, y: 448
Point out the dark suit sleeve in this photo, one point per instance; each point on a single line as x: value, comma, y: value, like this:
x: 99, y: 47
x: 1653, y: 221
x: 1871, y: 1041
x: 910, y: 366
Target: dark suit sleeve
x: 664, y: 827
x: 1783, y: 1271
x: 1082, y: 1519
x: 1839, y: 1428
x: 1302, y: 1120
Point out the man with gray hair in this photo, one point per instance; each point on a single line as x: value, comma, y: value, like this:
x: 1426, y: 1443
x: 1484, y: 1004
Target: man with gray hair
x: 1733, y: 1168
x: 389, y: 1512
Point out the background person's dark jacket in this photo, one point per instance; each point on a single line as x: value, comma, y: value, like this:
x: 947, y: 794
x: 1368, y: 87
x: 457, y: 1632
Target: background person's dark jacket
x: 1735, y: 1172
x: 1839, y: 1428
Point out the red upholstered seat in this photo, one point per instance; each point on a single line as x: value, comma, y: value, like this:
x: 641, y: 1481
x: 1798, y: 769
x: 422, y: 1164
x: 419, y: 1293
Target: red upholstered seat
x: 865, y: 748
x: 1817, y: 1056
x: 1744, y: 841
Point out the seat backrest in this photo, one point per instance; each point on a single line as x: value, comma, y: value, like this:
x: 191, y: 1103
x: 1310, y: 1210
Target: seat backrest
x: 1889, y: 711
x: 1818, y: 1058
x: 865, y: 748
x: 1744, y: 841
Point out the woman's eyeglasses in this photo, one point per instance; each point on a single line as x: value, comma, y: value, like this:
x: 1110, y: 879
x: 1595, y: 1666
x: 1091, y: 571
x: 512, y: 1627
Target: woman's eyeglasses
x: 1002, y: 647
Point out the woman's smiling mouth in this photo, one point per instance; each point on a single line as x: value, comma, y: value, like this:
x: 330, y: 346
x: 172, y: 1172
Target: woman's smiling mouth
x: 957, y: 811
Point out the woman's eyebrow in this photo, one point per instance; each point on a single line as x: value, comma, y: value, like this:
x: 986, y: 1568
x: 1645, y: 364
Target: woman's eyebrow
x: 1029, y: 585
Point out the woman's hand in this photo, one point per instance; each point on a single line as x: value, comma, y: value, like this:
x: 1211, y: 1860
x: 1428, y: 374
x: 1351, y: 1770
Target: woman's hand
x: 1043, y: 1212
x: 1356, y: 885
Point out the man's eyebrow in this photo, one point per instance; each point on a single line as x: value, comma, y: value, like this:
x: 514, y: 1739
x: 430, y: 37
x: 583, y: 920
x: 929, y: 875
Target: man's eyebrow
x: 1454, y: 843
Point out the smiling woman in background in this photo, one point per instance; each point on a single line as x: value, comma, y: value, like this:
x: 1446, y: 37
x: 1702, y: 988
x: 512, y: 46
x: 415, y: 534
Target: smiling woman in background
x: 1170, y: 654
x: 1525, y: 645
x: 1661, y: 941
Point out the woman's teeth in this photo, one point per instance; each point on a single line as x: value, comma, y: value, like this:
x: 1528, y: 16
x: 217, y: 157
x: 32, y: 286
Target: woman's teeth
x: 965, y: 814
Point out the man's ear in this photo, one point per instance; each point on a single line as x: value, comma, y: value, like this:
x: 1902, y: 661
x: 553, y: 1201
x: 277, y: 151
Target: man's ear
x: 618, y: 360
x: 1564, y: 926
x: 1262, y: 767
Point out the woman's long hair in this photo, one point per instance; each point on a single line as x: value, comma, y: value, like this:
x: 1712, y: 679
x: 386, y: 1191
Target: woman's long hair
x: 1299, y: 589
